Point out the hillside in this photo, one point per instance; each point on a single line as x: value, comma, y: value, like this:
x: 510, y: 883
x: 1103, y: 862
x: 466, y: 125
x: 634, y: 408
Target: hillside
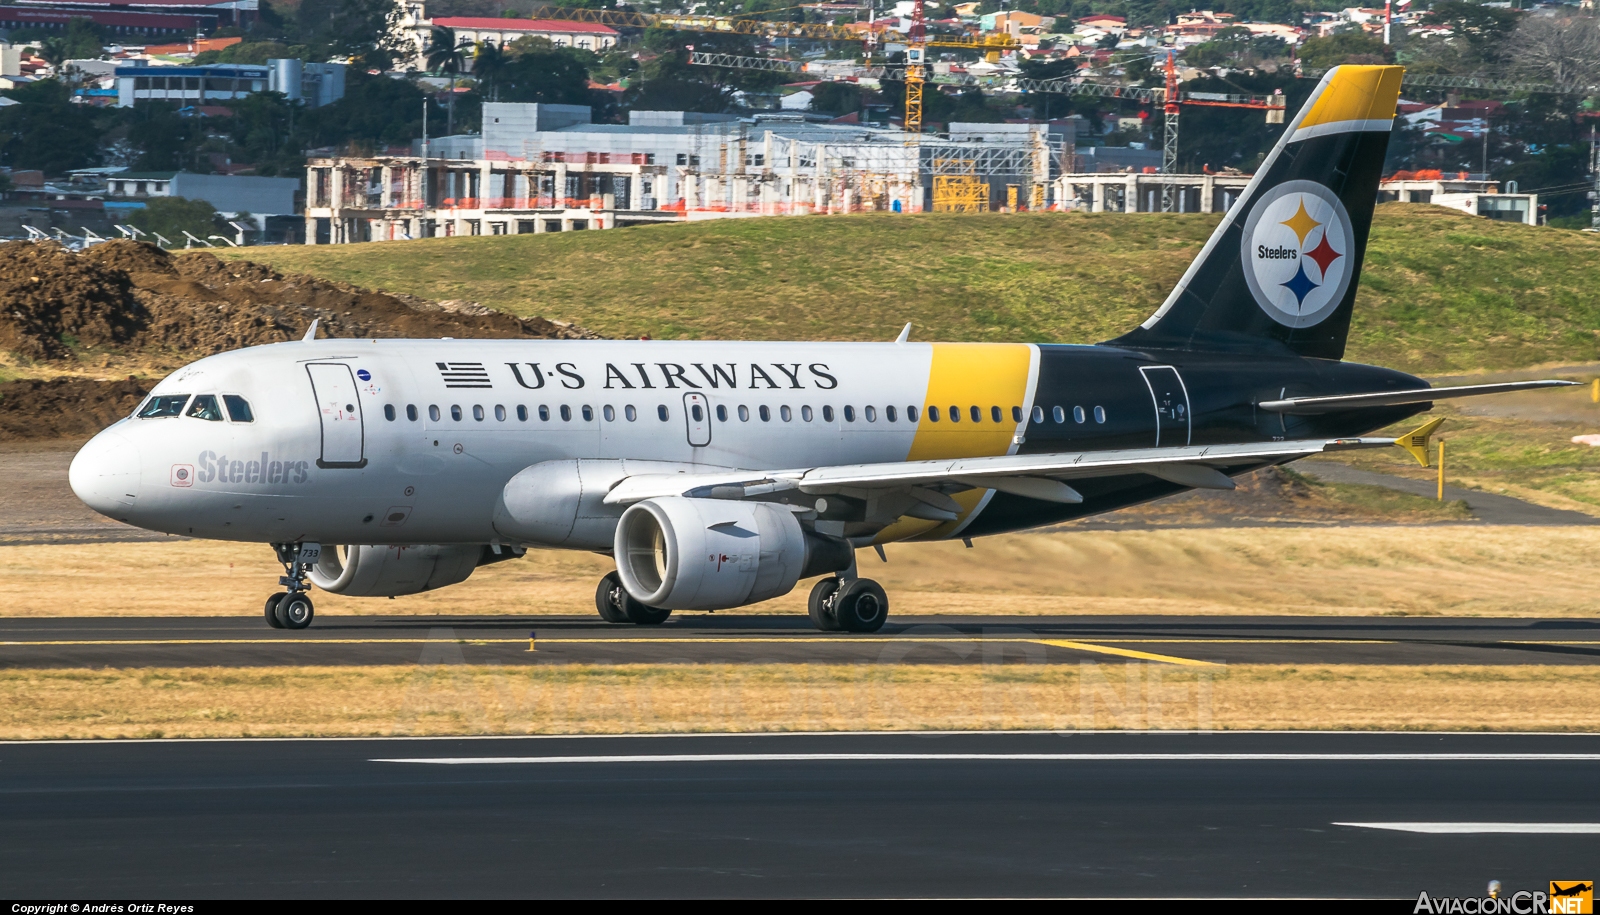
x: 1442, y: 291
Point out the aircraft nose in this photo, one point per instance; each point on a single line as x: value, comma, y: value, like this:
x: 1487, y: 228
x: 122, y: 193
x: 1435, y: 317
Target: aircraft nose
x: 105, y: 475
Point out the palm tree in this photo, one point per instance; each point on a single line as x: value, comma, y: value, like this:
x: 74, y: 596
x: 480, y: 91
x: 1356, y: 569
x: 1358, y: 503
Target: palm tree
x: 445, y: 56
x: 488, y: 65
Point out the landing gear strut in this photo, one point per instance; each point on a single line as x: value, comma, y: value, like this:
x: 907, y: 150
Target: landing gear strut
x: 293, y: 609
x: 848, y: 604
x: 616, y: 605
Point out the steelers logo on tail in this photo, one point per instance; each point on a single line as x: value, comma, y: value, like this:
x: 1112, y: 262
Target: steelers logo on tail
x: 1297, y: 249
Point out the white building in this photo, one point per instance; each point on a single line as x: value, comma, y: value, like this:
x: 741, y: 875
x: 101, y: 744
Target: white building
x: 416, y: 32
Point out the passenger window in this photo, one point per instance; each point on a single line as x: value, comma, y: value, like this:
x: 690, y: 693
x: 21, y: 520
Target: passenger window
x: 610, y: 413
x: 164, y: 406
x: 566, y: 413
x: 849, y: 414
x: 1038, y: 413
x: 744, y: 413
x: 977, y: 414
x: 1060, y: 415
x: 433, y: 412
x: 588, y: 413
x: 663, y: 412
x: 1016, y: 415
x: 1099, y: 414
x: 871, y: 413
x: 994, y: 413
x: 827, y: 414
x: 786, y: 413
x: 933, y: 413
x: 238, y: 408
x: 499, y: 412
x: 766, y: 413
x: 1077, y: 415
x: 544, y: 413
x: 388, y: 412
x: 955, y: 414
x: 455, y: 412
x: 411, y: 412
x: 205, y: 407
x: 722, y: 413
x: 630, y: 412
x: 805, y: 413
x: 522, y: 413
x: 477, y: 412
x: 888, y: 413
x: 697, y: 412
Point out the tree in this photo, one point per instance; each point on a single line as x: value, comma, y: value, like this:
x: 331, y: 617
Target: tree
x: 172, y: 216
x: 248, y: 52
x: 166, y: 141
x: 447, y: 56
x: 836, y: 98
x: 536, y: 70
x: 353, y: 28
x: 1484, y: 29
x: 1349, y: 47
x: 1560, y: 50
x: 47, y: 132
x: 488, y: 67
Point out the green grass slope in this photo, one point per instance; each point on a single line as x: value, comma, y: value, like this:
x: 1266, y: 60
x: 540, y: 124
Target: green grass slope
x: 1441, y: 291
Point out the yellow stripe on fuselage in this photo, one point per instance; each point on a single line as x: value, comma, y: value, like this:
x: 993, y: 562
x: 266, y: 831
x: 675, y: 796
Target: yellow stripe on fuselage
x: 962, y: 376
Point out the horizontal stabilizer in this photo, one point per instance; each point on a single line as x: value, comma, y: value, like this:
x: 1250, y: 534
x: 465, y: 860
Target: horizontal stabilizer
x: 1308, y: 406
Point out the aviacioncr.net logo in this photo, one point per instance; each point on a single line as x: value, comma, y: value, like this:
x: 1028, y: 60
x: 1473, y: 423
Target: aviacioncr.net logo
x: 1297, y: 250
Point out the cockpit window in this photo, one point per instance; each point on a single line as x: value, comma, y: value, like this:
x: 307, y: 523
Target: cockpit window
x: 238, y: 408
x: 205, y: 407
x: 163, y: 405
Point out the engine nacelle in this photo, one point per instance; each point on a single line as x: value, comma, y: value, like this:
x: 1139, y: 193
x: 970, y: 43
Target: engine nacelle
x: 562, y: 503
x: 389, y: 571
x: 713, y: 554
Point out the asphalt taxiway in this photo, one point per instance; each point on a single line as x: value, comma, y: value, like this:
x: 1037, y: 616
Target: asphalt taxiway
x: 750, y: 639
x: 974, y: 814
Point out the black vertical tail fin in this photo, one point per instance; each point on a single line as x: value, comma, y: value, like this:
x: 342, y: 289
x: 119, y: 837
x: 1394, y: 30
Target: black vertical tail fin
x: 1280, y: 272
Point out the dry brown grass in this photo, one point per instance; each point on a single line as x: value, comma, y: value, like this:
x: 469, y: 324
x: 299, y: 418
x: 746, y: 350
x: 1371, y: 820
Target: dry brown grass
x: 568, y: 699
x: 1452, y: 570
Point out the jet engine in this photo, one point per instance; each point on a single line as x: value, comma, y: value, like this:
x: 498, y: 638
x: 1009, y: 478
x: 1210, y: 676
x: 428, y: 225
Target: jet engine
x: 712, y: 554
x: 389, y: 571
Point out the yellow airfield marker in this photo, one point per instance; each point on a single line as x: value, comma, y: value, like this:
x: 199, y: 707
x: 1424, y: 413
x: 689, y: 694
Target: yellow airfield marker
x: 1441, y: 470
x: 532, y: 634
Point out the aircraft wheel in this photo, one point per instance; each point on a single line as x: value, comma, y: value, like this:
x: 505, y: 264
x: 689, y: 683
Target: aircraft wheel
x: 644, y: 614
x: 818, y: 605
x: 861, y: 606
x: 272, y: 611
x: 610, y: 597
x: 295, y: 611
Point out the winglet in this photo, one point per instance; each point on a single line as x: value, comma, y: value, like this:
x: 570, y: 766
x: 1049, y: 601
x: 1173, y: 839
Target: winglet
x: 905, y: 333
x: 1416, y: 441
x: 311, y: 332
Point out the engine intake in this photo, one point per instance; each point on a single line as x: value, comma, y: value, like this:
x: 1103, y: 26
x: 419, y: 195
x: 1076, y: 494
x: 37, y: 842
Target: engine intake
x: 390, y: 571
x: 713, y: 554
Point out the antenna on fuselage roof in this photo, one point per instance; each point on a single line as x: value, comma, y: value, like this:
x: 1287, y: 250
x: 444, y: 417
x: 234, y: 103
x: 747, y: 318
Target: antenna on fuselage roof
x: 905, y: 333
x: 311, y: 332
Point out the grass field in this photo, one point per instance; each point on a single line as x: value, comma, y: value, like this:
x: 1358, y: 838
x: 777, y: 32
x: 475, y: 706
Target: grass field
x: 1457, y: 570
x: 561, y: 699
x: 1441, y: 291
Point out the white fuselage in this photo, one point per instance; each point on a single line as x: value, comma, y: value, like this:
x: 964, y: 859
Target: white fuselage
x: 412, y: 441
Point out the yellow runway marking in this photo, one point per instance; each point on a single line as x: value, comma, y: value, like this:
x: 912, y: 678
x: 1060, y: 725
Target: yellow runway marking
x: 1126, y: 653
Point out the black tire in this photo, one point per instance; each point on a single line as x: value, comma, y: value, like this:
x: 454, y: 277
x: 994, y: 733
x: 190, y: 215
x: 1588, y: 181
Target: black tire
x: 643, y: 614
x: 609, y: 597
x: 272, y: 611
x: 295, y: 611
x: 818, y: 605
x: 861, y: 606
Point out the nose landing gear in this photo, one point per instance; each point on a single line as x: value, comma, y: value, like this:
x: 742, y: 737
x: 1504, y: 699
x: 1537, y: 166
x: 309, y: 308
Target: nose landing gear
x: 293, y: 609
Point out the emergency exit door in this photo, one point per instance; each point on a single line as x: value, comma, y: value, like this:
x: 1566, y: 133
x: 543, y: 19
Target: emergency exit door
x: 697, y: 414
x: 1171, y: 400
x: 339, y: 408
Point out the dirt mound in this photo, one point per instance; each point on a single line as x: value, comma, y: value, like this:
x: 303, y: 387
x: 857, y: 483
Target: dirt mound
x: 65, y: 407
x: 132, y: 296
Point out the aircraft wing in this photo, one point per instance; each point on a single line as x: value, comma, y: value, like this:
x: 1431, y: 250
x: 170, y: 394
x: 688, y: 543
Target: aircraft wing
x: 1038, y: 476
x: 1307, y: 406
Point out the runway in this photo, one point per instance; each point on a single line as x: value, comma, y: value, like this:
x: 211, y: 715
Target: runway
x: 736, y: 639
x: 1107, y: 815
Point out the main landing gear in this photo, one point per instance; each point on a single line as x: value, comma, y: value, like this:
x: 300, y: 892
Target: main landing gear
x: 616, y: 605
x: 293, y: 609
x: 848, y: 604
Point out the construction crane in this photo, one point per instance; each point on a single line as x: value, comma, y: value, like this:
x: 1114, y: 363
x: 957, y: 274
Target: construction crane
x: 916, y: 50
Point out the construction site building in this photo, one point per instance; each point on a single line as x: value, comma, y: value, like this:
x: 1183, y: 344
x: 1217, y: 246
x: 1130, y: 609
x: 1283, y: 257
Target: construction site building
x: 1461, y: 192
x: 1141, y: 192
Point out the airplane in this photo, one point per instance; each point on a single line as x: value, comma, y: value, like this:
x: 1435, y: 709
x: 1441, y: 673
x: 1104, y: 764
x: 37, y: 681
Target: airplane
x: 720, y: 474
